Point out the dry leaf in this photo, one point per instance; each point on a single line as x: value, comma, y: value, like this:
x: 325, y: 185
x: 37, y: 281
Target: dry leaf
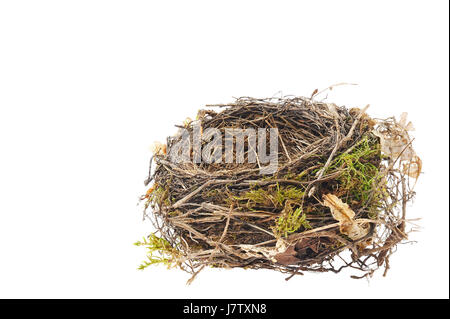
x: 402, y: 122
x: 303, y: 249
x: 413, y: 167
x: 288, y: 257
x: 345, y: 215
x: 396, y: 143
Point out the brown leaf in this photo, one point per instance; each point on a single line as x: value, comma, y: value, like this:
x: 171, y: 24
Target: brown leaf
x: 299, y: 251
x: 288, y: 257
x: 345, y: 215
x: 413, y: 168
x: 306, y: 243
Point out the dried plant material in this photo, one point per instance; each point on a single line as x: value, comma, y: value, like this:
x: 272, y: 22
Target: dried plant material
x: 288, y: 257
x: 364, y: 244
x: 158, y: 148
x: 227, y: 214
x: 270, y: 253
x: 345, y: 216
x: 395, y: 140
x: 187, y: 122
x: 402, y: 123
x: 332, y: 109
x: 149, y: 192
x: 301, y: 250
x: 397, y: 144
x: 365, y: 118
x: 413, y: 168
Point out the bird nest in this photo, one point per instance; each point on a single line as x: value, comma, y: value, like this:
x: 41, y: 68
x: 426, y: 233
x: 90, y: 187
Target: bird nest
x: 336, y: 198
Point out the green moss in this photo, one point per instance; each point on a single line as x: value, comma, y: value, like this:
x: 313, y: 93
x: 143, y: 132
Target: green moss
x: 359, y: 179
x: 295, y: 176
x: 358, y: 169
x: 174, y: 213
x: 280, y: 197
x: 288, y: 193
x: 271, y: 196
x: 290, y: 221
x: 160, y: 196
x: 159, y: 251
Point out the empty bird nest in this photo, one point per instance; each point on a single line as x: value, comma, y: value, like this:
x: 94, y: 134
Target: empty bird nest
x: 336, y: 197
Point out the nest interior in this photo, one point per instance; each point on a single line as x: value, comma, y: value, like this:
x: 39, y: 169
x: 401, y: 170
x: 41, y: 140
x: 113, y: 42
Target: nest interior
x: 336, y: 200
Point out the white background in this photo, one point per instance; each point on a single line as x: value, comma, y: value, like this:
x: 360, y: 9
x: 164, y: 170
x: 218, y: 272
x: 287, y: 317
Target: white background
x: 87, y: 86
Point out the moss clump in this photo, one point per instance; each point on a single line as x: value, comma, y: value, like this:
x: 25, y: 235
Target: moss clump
x: 359, y: 170
x: 280, y: 197
x: 290, y: 221
x: 271, y: 196
x: 159, y: 251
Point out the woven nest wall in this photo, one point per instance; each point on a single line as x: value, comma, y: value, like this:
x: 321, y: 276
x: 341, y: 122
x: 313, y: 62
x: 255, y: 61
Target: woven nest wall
x: 336, y: 199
